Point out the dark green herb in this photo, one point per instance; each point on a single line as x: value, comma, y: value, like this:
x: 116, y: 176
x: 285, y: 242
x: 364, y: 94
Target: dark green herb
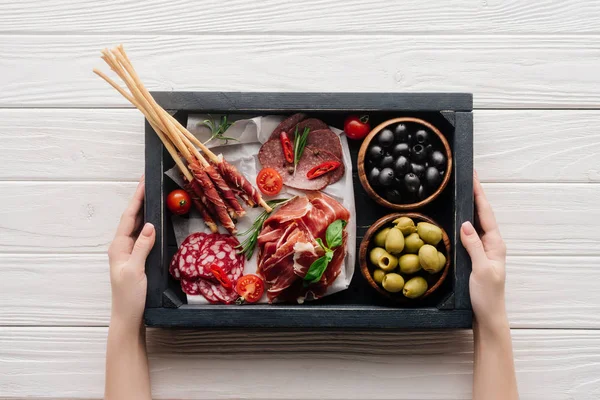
x: 247, y: 246
x: 334, y: 238
x: 299, y: 145
x: 218, y: 129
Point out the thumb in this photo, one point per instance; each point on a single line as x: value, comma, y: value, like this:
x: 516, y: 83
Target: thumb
x: 470, y: 239
x: 143, y: 244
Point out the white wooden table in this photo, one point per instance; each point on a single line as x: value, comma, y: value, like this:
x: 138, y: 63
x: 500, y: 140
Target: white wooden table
x: 72, y: 151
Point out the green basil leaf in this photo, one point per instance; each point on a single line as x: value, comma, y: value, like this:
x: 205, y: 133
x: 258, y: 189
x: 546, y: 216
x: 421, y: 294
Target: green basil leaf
x: 318, y: 267
x: 334, y: 233
x: 320, y: 242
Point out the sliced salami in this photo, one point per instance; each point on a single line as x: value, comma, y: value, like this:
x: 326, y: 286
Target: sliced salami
x: 208, y: 290
x: 325, y: 139
x: 287, y: 125
x: 174, y: 267
x: 225, y: 295
x: 313, y: 124
x: 190, y: 287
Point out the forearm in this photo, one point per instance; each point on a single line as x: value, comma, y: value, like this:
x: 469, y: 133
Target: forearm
x: 494, y: 369
x: 127, y: 375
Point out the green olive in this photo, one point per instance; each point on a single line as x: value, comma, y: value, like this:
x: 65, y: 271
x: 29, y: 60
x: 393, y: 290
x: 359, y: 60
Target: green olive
x: 378, y: 276
x: 379, y: 239
x: 406, y: 225
x: 375, y: 254
x: 430, y: 233
x: 429, y: 259
x: 442, y: 258
x: 415, y: 287
x: 412, y: 243
x: 388, y: 262
x: 394, y: 242
x: 393, y: 283
x: 409, y: 263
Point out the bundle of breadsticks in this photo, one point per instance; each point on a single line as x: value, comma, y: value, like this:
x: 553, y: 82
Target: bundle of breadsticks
x: 213, y: 184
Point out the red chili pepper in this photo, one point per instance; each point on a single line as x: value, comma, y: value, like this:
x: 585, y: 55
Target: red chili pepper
x: 221, y: 276
x: 288, y: 149
x: 322, y: 169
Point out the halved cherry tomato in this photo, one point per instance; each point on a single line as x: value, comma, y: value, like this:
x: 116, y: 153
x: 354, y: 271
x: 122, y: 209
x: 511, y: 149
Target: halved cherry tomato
x: 178, y: 201
x: 250, y: 288
x: 269, y: 181
x: 322, y: 169
x: 221, y: 276
x: 357, y: 127
x: 288, y: 148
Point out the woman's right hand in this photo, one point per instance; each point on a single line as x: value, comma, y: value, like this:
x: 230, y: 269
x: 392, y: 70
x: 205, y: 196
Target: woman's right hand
x: 488, y: 256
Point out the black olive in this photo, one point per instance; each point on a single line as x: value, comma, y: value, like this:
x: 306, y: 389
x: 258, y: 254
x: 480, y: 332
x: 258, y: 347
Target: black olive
x: 417, y: 169
x: 385, y: 138
x: 375, y: 153
x: 418, y: 153
x: 438, y: 159
x: 422, y: 137
x: 386, y: 177
x: 398, y: 182
x: 421, y: 193
x: 402, y: 165
x: 401, y: 149
x: 433, y: 177
x: 401, y: 133
x: 394, y: 196
x: 387, y: 162
x: 412, y: 182
x: 374, y: 176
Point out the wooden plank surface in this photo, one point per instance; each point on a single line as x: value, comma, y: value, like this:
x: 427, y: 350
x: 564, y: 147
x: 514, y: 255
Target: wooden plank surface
x: 306, y: 16
x: 74, y: 290
x: 506, y: 71
x: 80, y: 217
x: 551, y: 364
x: 107, y: 144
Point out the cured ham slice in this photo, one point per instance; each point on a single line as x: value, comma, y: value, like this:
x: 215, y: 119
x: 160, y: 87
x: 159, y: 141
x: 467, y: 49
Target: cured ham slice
x: 287, y: 246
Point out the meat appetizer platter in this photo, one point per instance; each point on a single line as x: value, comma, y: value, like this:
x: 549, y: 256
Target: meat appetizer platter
x: 304, y: 210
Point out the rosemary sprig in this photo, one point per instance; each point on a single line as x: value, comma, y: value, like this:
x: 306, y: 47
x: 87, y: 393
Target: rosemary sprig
x: 247, y: 246
x: 299, y: 145
x: 218, y: 129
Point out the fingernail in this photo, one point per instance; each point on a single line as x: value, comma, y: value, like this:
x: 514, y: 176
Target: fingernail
x: 475, y: 174
x: 148, y: 228
x: 468, y: 228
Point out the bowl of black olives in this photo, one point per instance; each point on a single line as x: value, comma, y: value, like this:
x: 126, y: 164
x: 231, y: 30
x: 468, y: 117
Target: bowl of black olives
x: 405, y: 257
x: 404, y: 163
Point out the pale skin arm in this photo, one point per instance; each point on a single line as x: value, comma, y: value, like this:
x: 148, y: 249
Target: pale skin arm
x: 127, y: 375
x: 494, y: 370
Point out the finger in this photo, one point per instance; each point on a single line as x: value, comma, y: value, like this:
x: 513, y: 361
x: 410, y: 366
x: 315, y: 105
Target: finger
x: 143, y: 245
x: 485, y: 214
x: 128, y: 219
x: 470, y: 239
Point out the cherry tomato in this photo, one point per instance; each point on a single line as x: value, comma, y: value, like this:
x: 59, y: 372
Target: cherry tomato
x: 179, y: 202
x: 269, y: 181
x: 250, y: 288
x: 221, y: 276
x: 357, y: 127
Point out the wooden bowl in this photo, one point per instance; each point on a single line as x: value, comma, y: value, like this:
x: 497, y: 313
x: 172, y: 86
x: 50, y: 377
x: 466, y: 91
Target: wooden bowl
x: 363, y: 176
x: 434, y: 281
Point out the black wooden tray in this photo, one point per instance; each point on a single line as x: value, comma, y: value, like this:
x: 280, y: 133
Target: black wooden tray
x: 359, y: 306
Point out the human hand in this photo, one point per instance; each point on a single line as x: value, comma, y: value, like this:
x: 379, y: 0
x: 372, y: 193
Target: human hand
x: 127, y: 256
x: 488, y: 256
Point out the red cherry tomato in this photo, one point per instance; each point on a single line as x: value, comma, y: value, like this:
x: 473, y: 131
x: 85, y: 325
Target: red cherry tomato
x: 357, y: 127
x: 250, y: 288
x: 269, y: 181
x: 179, y: 202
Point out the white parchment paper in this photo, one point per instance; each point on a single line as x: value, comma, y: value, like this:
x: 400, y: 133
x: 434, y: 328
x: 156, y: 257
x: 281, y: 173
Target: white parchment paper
x: 251, y: 133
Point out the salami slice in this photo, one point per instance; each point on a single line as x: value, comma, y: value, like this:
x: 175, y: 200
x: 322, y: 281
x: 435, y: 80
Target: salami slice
x: 208, y: 289
x: 190, y: 287
x: 174, y: 267
x: 313, y: 124
x: 325, y: 139
x: 287, y: 125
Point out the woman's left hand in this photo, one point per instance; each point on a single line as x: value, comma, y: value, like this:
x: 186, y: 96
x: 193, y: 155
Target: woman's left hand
x: 127, y: 257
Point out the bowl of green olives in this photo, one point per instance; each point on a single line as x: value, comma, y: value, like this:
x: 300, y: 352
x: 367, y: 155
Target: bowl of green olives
x: 404, y: 163
x: 405, y: 257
